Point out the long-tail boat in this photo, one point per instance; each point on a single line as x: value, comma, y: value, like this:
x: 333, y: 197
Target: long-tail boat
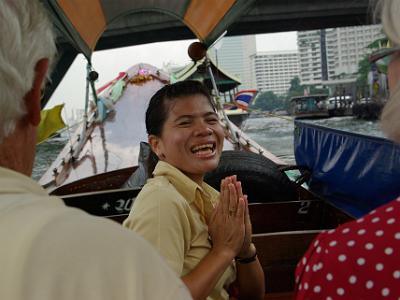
x: 101, y: 170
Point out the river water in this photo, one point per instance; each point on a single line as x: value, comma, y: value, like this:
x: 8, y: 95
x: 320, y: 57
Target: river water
x: 273, y: 133
x: 276, y: 134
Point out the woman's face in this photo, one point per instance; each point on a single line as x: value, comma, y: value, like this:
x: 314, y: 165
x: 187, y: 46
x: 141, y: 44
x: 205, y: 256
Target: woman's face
x: 191, y: 138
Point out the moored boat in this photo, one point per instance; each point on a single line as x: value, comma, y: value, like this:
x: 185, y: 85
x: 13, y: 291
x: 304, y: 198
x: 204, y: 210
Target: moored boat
x: 237, y: 116
x: 309, y: 107
x: 340, y: 106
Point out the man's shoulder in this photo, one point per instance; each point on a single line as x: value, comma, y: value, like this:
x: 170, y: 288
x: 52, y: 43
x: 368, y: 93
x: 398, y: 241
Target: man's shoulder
x: 124, y: 251
x: 86, y: 253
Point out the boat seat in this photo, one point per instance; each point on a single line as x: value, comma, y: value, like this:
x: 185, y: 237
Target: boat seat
x: 279, y: 254
x: 139, y: 177
x: 295, y: 216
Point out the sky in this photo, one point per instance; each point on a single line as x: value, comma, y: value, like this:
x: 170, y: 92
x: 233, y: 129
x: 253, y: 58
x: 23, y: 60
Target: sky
x: 110, y: 62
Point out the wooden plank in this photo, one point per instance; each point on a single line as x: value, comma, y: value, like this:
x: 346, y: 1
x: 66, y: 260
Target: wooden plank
x: 286, y: 216
x: 279, y: 296
x: 274, y: 296
x: 295, y: 215
x: 113, y: 204
x: 100, y: 182
x: 278, y: 254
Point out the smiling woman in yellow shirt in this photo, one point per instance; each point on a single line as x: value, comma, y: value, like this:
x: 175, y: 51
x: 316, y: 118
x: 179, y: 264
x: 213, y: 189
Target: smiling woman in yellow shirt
x: 196, y: 229
x: 172, y: 217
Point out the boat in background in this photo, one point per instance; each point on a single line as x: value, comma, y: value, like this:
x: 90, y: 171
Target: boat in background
x: 236, y: 115
x: 237, y: 109
x: 367, y: 109
x: 309, y: 107
x: 340, y: 106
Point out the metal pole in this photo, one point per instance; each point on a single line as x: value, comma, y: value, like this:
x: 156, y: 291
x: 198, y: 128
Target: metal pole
x: 218, y: 102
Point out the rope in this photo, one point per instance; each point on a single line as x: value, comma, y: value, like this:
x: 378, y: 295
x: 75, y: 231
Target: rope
x: 67, y: 128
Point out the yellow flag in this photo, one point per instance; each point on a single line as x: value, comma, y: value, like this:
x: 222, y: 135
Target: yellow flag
x: 50, y: 123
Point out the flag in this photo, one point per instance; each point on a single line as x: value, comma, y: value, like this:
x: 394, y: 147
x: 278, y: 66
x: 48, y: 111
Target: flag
x: 243, y: 98
x: 50, y: 123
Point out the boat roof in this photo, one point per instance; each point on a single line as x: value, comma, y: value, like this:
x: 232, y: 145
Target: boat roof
x: 86, y: 26
x: 305, y: 98
x: 197, y: 71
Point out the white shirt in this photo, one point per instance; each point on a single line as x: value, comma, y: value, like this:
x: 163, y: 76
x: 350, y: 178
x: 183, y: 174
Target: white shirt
x: 50, y: 251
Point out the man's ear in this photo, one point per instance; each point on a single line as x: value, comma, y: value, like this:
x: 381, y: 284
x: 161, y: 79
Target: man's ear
x: 32, y: 98
x: 155, y: 144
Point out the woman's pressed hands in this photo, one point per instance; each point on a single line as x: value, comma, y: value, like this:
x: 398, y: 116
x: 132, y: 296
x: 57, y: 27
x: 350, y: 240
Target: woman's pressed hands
x: 247, y: 250
x: 226, y: 226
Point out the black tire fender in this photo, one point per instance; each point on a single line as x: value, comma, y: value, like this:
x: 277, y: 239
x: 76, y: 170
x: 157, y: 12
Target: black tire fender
x: 261, y: 179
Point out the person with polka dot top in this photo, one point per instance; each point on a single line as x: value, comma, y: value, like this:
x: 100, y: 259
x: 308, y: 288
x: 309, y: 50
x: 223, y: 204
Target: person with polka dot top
x: 361, y: 259
x: 358, y: 260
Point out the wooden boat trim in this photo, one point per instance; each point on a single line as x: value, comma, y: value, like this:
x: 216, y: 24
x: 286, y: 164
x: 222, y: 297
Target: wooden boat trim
x: 282, y: 233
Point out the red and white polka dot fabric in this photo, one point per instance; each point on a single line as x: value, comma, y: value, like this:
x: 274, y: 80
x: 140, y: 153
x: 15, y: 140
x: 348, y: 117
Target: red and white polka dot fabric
x: 358, y: 260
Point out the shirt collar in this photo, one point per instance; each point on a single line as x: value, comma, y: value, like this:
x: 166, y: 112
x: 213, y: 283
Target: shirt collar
x: 12, y: 182
x: 183, y: 184
x: 203, y: 197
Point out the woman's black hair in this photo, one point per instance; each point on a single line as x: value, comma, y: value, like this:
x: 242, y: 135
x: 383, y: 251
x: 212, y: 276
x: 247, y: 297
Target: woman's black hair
x: 157, y: 111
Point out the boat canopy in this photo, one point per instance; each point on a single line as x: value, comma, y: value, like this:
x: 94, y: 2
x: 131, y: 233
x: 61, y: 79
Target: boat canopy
x: 355, y: 172
x: 198, y: 71
x: 84, y: 22
x: 85, y: 26
x: 314, y: 98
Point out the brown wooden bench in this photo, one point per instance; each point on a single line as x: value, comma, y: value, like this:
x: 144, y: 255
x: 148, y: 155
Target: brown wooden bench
x: 278, y: 254
x: 282, y: 232
x: 295, y: 216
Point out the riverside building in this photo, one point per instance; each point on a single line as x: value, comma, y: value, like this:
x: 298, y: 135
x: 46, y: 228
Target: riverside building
x: 334, y: 53
x: 273, y: 70
x: 233, y: 56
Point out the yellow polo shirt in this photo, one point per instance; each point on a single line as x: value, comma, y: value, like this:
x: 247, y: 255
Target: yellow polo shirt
x: 171, y: 212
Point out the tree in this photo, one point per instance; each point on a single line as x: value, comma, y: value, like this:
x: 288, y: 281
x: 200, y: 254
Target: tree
x: 379, y: 43
x: 268, y: 101
x: 314, y: 90
x: 295, y: 89
x: 364, y: 67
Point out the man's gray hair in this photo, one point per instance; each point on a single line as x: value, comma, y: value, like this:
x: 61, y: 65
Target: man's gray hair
x: 26, y: 36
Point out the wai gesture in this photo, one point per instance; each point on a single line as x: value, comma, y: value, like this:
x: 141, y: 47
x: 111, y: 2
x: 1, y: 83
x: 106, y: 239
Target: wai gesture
x: 229, y: 226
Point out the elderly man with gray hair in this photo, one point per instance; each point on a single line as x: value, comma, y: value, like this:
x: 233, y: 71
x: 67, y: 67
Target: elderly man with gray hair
x: 50, y: 251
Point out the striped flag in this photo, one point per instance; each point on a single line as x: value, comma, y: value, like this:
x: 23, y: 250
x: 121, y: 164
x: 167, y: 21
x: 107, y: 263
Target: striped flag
x: 243, y: 98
